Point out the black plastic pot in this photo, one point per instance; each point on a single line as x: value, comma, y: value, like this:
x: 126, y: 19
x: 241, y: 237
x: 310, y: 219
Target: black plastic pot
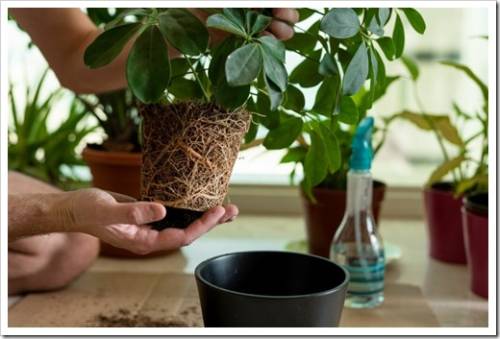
x: 271, y: 289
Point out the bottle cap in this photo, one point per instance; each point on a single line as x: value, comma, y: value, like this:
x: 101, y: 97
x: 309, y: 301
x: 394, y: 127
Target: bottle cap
x: 362, y: 152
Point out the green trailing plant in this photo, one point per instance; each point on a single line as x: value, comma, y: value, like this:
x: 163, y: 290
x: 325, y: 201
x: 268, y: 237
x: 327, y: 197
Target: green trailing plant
x: 34, y: 148
x: 343, y: 54
x: 467, y: 170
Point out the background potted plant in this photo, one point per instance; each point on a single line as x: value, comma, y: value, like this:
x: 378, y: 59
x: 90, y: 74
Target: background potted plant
x: 38, y: 150
x: 467, y: 173
x: 342, y: 50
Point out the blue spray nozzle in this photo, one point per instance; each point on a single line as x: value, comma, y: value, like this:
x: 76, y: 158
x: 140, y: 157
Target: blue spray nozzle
x: 362, y: 153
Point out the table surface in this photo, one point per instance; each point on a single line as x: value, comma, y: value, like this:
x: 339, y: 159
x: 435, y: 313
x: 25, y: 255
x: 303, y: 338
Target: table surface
x: 445, y: 287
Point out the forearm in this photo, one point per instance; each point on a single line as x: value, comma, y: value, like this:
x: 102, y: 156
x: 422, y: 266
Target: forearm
x: 34, y: 214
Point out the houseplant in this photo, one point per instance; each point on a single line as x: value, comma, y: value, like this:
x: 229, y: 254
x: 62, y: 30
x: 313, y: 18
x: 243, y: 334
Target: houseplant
x: 465, y: 171
x: 38, y: 150
x: 246, y: 73
x: 332, y: 120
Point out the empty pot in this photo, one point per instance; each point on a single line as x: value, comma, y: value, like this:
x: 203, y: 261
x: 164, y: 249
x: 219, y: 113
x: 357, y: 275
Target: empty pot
x: 271, y: 289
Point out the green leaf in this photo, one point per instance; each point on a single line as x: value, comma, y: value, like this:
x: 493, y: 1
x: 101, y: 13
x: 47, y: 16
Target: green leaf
x: 179, y: 67
x: 294, y: 99
x: 411, y: 66
x: 315, y: 164
x: 348, y: 112
x: 340, y: 23
x: 109, y: 44
x: 383, y: 15
x: 275, y: 70
x: 263, y: 106
x: 256, y: 22
x: 184, y: 31
x: 243, y: 65
x: 387, y: 46
x: 236, y: 15
x: 252, y: 132
x: 471, y: 75
x: 304, y: 13
x: 306, y: 73
x: 328, y: 66
x: 183, y: 88
x: 220, y: 21
x: 294, y: 154
x: 230, y: 97
x: 398, y: 37
x: 273, y: 46
x: 375, y: 27
x: 137, y: 12
x: 326, y: 96
x: 356, y: 72
x: 332, y: 148
x: 304, y: 42
x: 275, y: 94
x: 449, y: 131
x: 284, y: 135
x: 216, y: 70
x: 416, y: 20
x: 148, y: 66
x: 444, y: 169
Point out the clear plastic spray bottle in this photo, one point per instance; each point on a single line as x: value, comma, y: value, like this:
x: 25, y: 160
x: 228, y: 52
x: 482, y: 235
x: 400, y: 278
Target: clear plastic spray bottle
x: 357, y: 246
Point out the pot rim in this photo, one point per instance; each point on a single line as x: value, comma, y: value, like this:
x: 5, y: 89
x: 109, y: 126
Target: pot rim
x: 204, y: 263
x: 111, y: 157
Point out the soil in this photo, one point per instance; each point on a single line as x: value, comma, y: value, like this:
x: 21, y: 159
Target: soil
x: 125, y: 318
x: 176, y: 218
x: 189, y: 150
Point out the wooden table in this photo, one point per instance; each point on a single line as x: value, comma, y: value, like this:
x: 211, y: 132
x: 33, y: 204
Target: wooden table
x: 419, y: 290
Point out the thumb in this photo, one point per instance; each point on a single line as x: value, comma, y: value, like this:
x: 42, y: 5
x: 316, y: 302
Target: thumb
x: 136, y: 213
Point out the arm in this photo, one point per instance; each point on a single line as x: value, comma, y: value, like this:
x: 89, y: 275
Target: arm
x: 62, y: 34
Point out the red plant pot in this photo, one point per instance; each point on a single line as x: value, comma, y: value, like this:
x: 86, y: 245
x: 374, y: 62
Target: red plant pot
x: 325, y: 215
x: 444, y: 224
x: 475, y: 228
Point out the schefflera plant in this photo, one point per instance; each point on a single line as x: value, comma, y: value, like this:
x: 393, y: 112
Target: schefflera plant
x: 194, y: 112
x: 344, y: 52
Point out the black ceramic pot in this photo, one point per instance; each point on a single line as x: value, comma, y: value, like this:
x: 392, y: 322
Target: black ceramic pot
x: 271, y: 289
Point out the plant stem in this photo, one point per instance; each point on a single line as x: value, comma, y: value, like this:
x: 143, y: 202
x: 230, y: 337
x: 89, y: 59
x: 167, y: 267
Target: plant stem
x: 197, y: 79
x: 251, y: 144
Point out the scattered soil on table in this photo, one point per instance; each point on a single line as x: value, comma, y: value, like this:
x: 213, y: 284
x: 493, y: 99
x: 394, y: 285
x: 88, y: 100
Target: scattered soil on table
x: 188, y: 317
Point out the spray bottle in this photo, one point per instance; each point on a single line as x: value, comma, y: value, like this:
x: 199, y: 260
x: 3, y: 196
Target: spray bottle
x: 357, y: 246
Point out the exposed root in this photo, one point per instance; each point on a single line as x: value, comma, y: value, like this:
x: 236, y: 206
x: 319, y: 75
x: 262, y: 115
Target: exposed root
x: 189, y: 152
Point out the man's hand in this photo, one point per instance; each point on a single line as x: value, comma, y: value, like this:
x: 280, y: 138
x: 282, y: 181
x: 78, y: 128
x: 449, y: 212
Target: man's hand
x: 116, y: 219
x: 122, y: 222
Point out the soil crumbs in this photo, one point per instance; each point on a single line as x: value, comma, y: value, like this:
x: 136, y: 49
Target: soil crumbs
x: 189, y: 317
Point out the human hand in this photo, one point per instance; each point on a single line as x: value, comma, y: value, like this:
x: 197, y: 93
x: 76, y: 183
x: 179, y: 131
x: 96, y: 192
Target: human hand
x: 122, y: 222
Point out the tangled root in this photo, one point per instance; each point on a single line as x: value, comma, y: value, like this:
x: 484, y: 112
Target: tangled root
x: 189, y: 151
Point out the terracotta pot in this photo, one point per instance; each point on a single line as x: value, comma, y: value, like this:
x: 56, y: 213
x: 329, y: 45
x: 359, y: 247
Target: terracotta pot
x: 324, y: 216
x: 444, y: 224
x: 118, y: 172
x: 115, y: 171
x: 475, y: 228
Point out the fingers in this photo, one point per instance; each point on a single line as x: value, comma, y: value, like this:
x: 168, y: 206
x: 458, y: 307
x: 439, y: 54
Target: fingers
x: 280, y: 29
x: 121, y: 197
x: 230, y: 214
x: 135, y: 213
x: 204, y: 224
x: 288, y: 14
